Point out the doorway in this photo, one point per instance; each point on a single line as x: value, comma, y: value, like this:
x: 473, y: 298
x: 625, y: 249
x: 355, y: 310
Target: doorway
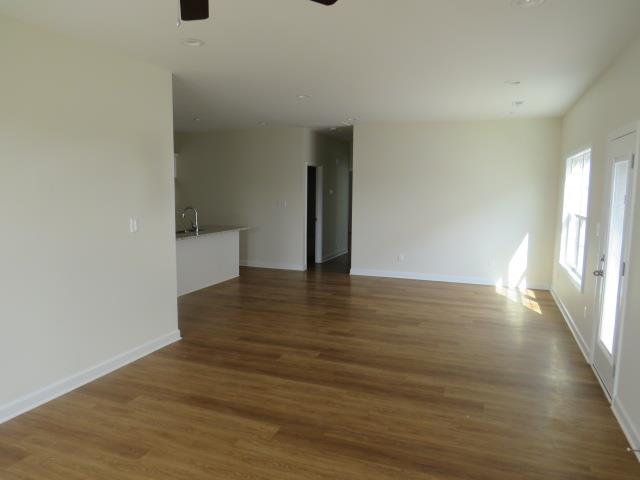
x: 614, y: 255
x: 314, y: 215
x: 329, y: 201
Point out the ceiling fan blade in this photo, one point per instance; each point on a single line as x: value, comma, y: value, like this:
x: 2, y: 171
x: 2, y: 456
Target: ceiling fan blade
x: 194, y: 10
x: 325, y: 2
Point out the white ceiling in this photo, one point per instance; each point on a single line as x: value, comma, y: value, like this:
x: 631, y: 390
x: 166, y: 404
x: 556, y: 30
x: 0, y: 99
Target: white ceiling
x: 372, y: 60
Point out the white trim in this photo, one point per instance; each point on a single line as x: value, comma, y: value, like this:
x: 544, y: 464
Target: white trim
x: 629, y: 429
x: 331, y: 256
x: 272, y: 265
x: 577, y: 151
x: 573, y: 277
x: 306, y: 217
x: 66, y: 385
x: 319, y: 213
x: 584, y: 347
x: 623, y: 131
x: 628, y: 234
x: 366, y: 272
x: 633, y: 128
x: 577, y: 278
x: 587, y: 352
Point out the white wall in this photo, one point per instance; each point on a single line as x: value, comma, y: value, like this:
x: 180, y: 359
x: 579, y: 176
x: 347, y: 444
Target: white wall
x: 85, y: 143
x: 245, y: 178
x: 334, y: 155
x: 456, y: 199
x: 612, y: 102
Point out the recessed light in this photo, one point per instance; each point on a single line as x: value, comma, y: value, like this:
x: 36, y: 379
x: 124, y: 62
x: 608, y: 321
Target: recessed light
x: 303, y: 97
x: 527, y: 3
x: 333, y: 129
x: 518, y: 103
x: 196, y: 119
x: 192, y: 42
x: 513, y: 82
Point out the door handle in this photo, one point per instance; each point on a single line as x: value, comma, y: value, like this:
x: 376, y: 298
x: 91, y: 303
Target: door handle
x: 598, y: 273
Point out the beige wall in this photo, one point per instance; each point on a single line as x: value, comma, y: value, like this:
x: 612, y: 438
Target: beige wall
x: 611, y: 103
x: 85, y: 143
x: 255, y: 178
x: 334, y: 155
x: 457, y: 200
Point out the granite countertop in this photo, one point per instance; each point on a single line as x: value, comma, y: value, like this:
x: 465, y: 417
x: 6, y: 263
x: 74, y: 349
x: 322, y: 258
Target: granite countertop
x: 210, y: 230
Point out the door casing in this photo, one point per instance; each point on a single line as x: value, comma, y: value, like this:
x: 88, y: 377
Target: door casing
x: 632, y: 129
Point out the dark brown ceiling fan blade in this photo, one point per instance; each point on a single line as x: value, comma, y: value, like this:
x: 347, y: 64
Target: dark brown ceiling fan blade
x: 325, y: 2
x: 194, y: 10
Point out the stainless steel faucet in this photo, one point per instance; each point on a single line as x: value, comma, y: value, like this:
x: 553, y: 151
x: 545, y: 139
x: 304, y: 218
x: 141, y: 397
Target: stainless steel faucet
x: 194, y: 226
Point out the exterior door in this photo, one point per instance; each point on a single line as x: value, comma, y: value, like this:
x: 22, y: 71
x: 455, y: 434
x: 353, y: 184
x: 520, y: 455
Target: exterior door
x: 614, y: 255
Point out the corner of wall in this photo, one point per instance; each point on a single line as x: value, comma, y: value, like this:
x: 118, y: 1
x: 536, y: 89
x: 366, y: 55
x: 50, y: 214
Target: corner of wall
x: 72, y: 382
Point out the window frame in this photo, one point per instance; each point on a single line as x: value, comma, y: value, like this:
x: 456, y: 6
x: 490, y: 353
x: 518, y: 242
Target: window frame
x: 575, y: 275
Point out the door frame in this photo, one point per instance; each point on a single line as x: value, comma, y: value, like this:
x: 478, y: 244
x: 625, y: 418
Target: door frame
x: 319, y: 211
x: 319, y: 199
x: 603, y: 243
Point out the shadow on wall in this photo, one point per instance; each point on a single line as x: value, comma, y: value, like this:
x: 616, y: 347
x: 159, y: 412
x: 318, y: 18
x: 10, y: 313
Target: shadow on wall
x: 515, y: 287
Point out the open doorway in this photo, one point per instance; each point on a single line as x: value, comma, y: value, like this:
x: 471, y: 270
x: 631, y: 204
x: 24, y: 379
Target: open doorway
x: 314, y: 215
x: 329, y: 187
x: 311, y: 215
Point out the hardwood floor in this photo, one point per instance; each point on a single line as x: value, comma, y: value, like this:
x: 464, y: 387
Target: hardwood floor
x: 285, y: 375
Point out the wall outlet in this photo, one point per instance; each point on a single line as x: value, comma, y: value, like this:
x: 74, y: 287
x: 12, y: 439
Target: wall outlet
x: 133, y: 225
x: 401, y: 257
x: 585, y: 312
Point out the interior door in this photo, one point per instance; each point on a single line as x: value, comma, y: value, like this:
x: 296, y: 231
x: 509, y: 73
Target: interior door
x: 614, y: 255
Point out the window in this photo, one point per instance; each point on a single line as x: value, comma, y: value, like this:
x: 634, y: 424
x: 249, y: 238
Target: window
x: 574, y: 215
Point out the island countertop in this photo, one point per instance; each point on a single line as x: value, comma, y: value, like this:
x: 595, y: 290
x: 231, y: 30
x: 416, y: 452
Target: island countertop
x: 210, y: 230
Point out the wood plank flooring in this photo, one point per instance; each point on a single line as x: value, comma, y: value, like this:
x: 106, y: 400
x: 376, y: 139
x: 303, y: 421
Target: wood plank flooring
x: 291, y: 375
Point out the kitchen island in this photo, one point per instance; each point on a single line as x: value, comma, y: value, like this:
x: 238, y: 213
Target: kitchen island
x: 208, y: 257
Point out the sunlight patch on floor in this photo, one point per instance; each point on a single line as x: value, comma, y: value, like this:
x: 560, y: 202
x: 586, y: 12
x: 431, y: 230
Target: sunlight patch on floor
x: 515, y: 288
x: 522, y: 296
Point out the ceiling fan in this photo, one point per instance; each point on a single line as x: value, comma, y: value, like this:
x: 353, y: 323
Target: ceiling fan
x: 199, y: 9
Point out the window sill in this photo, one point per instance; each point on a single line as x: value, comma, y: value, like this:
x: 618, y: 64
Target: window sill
x: 575, y: 280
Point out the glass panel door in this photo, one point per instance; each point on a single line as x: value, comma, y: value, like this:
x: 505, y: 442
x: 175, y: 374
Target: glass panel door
x: 611, y: 280
x: 614, y: 255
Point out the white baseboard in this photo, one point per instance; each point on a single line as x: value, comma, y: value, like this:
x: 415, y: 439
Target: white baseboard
x: 630, y: 430
x: 48, y: 393
x: 434, y: 278
x: 584, y: 346
x: 274, y: 265
x: 331, y: 256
